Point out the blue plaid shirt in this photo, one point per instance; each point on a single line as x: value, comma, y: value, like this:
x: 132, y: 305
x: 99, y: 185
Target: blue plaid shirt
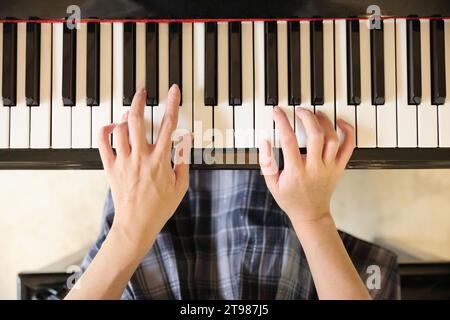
x: 229, y: 239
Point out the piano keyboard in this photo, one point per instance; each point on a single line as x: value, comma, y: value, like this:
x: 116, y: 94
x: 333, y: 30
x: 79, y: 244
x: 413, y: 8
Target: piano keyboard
x: 59, y: 86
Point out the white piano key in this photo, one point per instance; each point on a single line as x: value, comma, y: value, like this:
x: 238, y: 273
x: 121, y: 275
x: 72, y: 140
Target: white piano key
x: 185, y: 113
x: 406, y: 114
x: 61, y: 115
x: 344, y: 111
x: 141, y: 77
x: 328, y: 69
x: 366, y: 121
x: 118, y: 108
x: 20, y: 114
x: 444, y: 110
x: 243, y: 115
x: 305, y: 80
x: 203, y: 132
x: 101, y: 114
x: 426, y: 113
x: 163, y: 74
x: 223, y: 112
x: 81, y: 113
x: 282, y: 47
x: 140, y: 55
x: 4, y: 111
x: 263, y: 113
x: 387, y: 113
x: 41, y: 115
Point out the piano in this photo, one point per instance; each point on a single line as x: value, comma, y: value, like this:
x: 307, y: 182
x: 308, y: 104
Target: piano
x: 386, y: 72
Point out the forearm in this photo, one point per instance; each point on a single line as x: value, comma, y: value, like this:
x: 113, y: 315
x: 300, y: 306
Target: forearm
x: 146, y: 190
x: 111, y: 269
x: 334, y: 274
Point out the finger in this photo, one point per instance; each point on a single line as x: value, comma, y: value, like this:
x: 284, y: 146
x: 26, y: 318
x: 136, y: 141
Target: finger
x: 104, y: 145
x: 136, y: 121
x: 268, y: 165
x: 121, y: 135
x: 182, y: 161
x: 170, y: 120
x: 348, y: 145
x: 288, y: 140
x: 314, y: 134
x: 331, y: 144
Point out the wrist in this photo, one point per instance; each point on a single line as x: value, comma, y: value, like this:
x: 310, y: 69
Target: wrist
x: 134, y: 243
x: 319, y: 223
x: 309, y: 217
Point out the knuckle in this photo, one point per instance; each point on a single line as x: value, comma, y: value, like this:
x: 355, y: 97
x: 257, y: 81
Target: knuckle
x: 171, y: 121
x: 351, y: 141
x: 137, y: 166
x: 296, y: 173
x: 289, y: 139
x: 317, y: 136
x: 333, y: 142
x: 102, y: 133
x: 314, y: 168
x: 134, y: 117
x: 122, y: 128
x: 137, y: 159
x: 350, y: 127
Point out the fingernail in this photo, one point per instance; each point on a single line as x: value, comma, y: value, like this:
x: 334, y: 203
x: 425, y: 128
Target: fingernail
x: 173, y: 88
x: 276, y: 109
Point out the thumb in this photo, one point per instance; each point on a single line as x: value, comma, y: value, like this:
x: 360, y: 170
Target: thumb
x: 182, y: 159
x: 269, y: 167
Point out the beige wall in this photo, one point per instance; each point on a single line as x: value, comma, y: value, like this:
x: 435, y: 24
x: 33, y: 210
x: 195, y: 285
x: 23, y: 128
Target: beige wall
x: 47, y: 215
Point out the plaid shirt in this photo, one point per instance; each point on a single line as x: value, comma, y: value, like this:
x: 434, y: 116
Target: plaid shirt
x: 229, y: 239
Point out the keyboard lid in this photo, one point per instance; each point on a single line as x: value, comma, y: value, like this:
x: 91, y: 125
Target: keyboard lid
x: 218, y: 9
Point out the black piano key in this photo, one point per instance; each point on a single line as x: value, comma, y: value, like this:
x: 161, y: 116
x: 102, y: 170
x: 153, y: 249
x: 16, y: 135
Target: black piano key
x: 129, y: 62
x: 377, y: 65
x: 151, y: 63
x: 9, y: 80
x: 176, y: 54
x: 294, y: 62
x: 316, y: 36
x: 437, y: 46
x: 33, y: 63
x: 93, y: 64
x: 353, y: 63
x: 210, y: 63
x: 69, y: 66
x: 271, y: 63
x: 414, y: 61
x: 235, y: 63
